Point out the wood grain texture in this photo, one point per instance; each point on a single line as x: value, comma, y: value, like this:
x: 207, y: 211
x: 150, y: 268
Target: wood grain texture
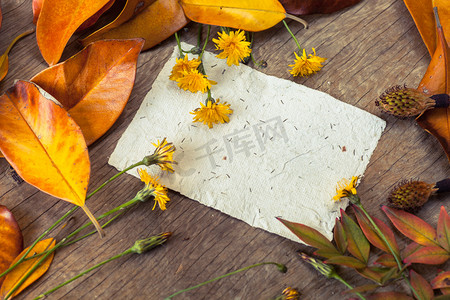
x: 370, y: 47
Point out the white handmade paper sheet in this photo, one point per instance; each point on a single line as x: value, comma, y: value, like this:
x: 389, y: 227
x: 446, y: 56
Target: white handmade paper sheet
x: 282, y: 153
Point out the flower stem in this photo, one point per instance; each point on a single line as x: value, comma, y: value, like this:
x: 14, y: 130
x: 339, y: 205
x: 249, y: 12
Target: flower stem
x: 82, y: 274
x: 34, y: 268
x: 341, y: 280
x: 206, y: 42
x: 280, y: 267
x: 37, y: 241
x: 293, y: 36
x: 199, y: 36
x: 72, y: 210
x: 179, y: 44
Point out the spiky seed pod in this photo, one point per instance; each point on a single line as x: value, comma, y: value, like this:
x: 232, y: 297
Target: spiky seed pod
x: 410, y: 195
x: 404, y: 102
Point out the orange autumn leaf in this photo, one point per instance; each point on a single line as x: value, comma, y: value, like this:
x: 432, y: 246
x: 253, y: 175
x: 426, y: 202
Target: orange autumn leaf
x: 436, y: 81
x: 95, y: 84
x: 55, y: 26
x: 14, y: 277
x: 36, y: 6
x: 422, y: 14
x: 11, y: 237
x: 44, y: 144
x: 4, y: 59
x: 151, y: 20
x: 247, y: 15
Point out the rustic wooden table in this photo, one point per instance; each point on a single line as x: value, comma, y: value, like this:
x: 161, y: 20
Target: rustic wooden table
x: 369, y: 47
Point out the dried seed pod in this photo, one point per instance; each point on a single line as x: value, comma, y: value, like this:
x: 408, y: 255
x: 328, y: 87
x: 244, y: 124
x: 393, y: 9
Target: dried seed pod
x: 404, y: 102
x: 411, y: 195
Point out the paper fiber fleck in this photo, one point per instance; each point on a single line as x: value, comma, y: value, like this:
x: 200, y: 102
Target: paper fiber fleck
x: 281, y: 155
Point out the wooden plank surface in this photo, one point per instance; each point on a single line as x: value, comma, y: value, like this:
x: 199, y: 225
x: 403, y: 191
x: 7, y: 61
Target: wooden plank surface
x: 369, y: 47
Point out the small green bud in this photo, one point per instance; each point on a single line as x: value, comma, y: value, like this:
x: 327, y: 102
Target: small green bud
x: 141, y: 246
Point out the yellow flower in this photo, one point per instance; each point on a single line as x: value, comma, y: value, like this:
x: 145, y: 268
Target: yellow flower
x: 194, y: 81
x: 154, y: 188
x: 346, y: 188
x: 291, y: 294
x: 305, y: 66
x: 163, y: 155
x: 212, y: 113
x: 183, y: 65
x: 235, y: 47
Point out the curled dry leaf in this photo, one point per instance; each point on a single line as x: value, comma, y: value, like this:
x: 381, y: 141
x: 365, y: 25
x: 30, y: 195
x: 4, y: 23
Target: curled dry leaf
x: 37, y: 6
x: 11, y: 240
x: 55, y: 26
x: 437, y: 81
x: 247, y: 15
x: 152, y: 20
x: 14, y: 277
x: 306, y: 7
x: 95, y: 84
x: 44, y: 144
x: 4, y: 60
x: 422, y: 14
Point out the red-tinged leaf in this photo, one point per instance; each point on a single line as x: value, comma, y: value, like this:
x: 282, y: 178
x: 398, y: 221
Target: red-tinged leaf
x: 422, y: 287
x: 411, y: 226
x: 390, y: 296
x: 11, y: 240
x: 357, y: 242
x: 386, y: 260
x: 347, y: 261
x: 310, y: 236
x: 340, y: 237
x: 58, y: 20
x: 375, y: 274
x: 14, y: 277
x: 151, y: 20
x: 443, y: 229
x: 326, y: 253
x: 371, y: 234
x: 410, y: 249
x: 95, y: 84
x: 307, y: 7
x: 442, y: 281
x: 362, y: 289
x: 44, y: 144
x: 431, y: 255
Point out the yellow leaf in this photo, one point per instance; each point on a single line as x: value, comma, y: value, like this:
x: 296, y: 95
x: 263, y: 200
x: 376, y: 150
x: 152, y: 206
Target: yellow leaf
x: 247, y: 15
x: 151, y: 20
x: 16, y: 275
x: 44, y: 144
